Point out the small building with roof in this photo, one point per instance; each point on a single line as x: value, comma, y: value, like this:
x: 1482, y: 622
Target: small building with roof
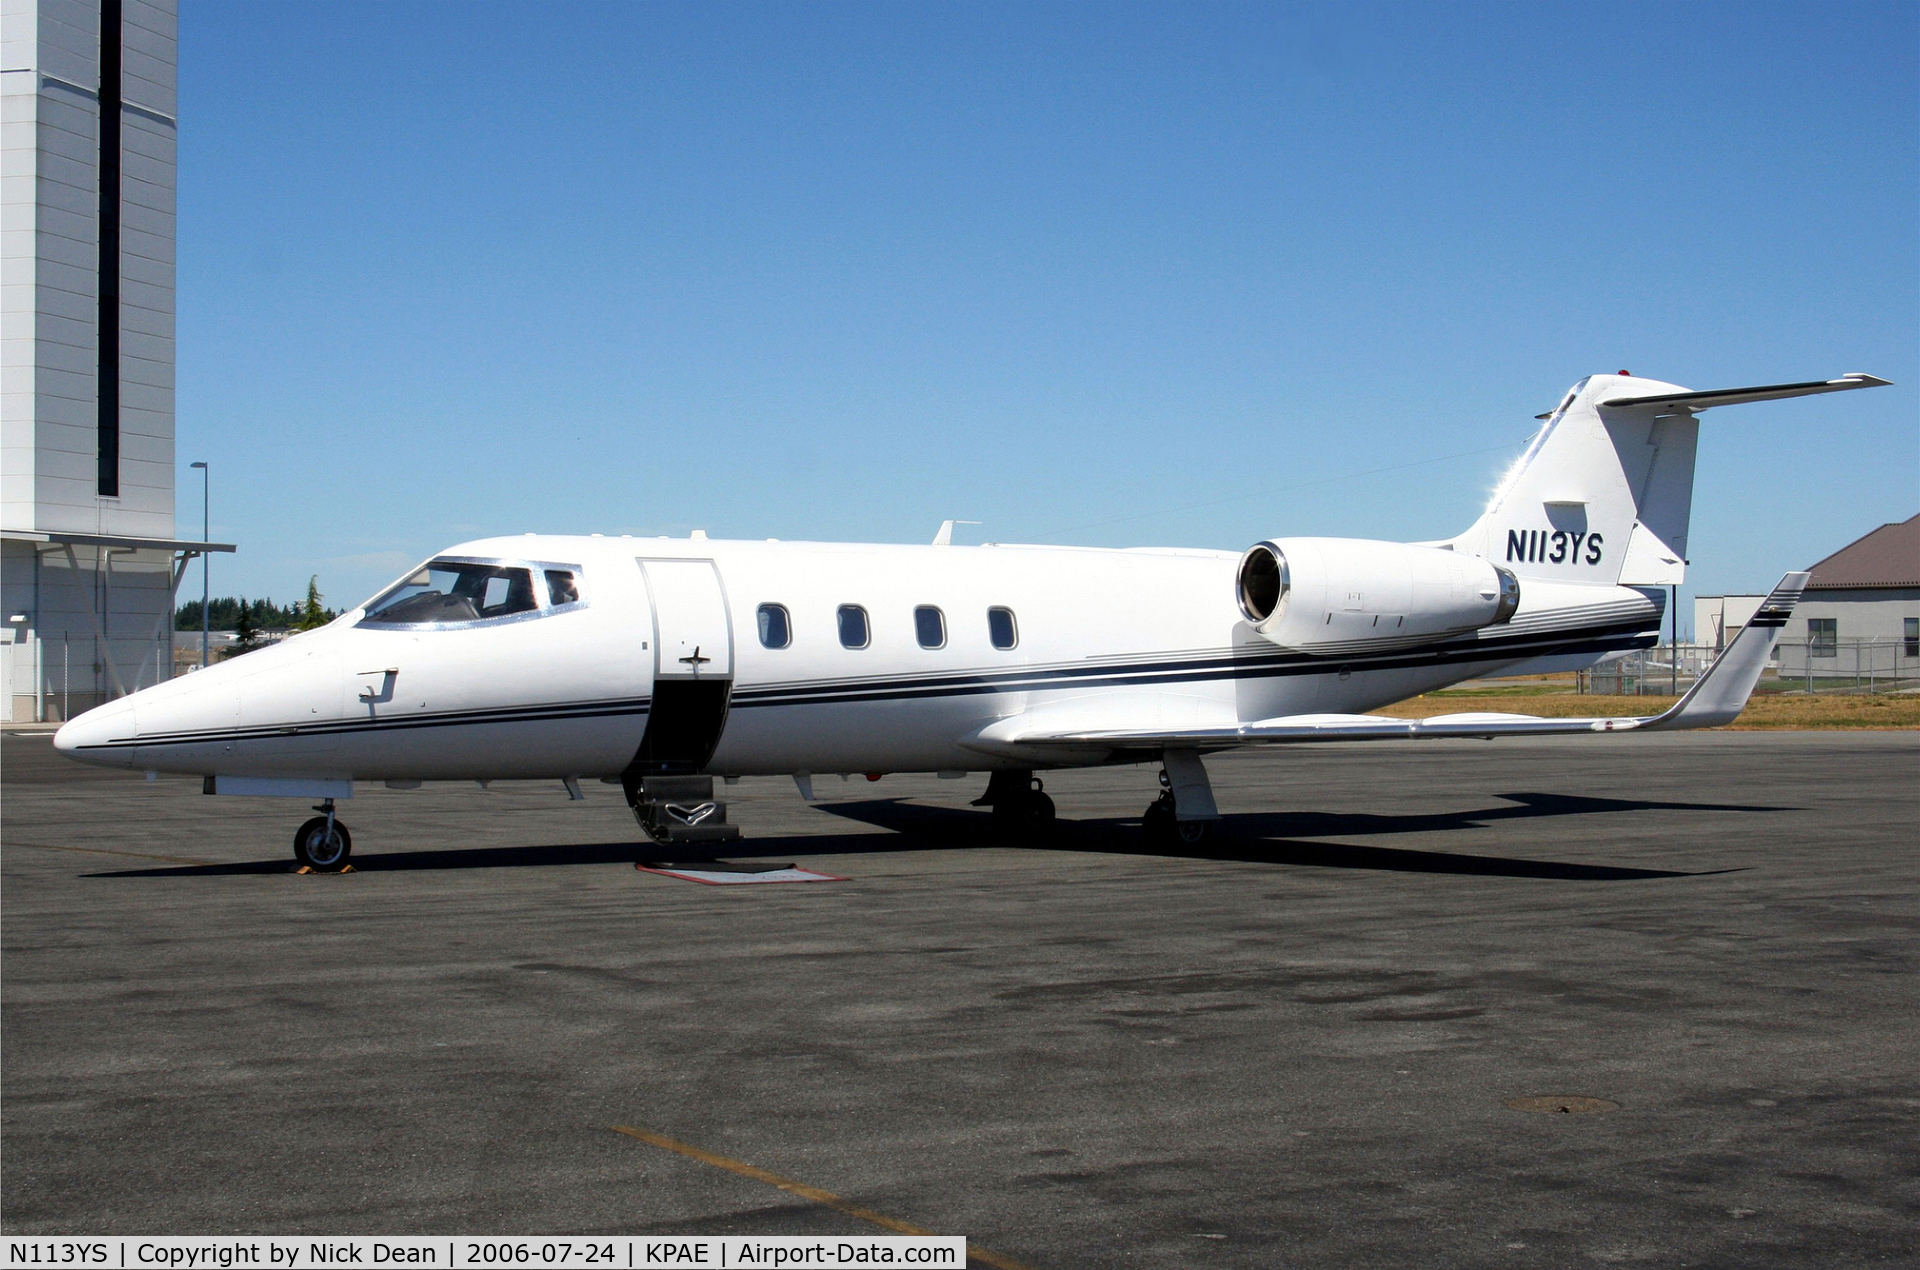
x: 1860, y: 616
x: 1718, y: 618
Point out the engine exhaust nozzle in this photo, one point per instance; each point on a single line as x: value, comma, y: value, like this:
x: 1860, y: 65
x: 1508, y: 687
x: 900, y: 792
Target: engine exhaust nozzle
x: 1264, y: 582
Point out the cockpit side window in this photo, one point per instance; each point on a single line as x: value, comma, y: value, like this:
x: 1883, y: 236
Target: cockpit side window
x: 454, y: 591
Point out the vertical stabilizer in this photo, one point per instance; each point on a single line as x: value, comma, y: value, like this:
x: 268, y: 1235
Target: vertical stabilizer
x: 1603, y: 493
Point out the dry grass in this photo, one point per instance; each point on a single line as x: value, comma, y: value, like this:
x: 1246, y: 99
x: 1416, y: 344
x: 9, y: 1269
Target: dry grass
x: 1774, y: 710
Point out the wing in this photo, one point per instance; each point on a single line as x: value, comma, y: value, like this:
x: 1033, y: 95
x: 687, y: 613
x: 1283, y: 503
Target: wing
x: 1716, y: 699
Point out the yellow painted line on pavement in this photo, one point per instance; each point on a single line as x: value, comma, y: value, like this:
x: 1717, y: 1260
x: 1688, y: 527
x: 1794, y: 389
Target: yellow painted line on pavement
x: 825, y: 1198
x: 136, y: 855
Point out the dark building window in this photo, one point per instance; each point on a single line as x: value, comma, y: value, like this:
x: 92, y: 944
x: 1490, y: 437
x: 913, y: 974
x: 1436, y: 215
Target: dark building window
x: 853, y: 626
x: 1912, y: 636
x: 1001, y: 629
x: 1823, y: 636
x: 107, y: 318
x: 776, y: 630
x: 931, y: 626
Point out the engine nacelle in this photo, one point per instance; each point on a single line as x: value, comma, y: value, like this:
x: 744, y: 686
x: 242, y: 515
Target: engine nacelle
x: 1337, y: 595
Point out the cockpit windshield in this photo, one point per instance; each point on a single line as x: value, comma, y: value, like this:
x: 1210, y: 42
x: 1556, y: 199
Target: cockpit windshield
x: 450, y: 591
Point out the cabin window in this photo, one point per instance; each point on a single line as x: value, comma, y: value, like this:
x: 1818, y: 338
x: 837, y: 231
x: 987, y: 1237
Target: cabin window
x: 1001, y: 629
x: 562, y: 587
x: 776, y: 629
x: 1911, y: 636
x: 930, y: 624
x: 456, y: 591
x: 1823, y: 636
x: 853, y: 626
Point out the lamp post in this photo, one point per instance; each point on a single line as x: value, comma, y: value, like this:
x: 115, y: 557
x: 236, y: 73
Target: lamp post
x: 206, y: 527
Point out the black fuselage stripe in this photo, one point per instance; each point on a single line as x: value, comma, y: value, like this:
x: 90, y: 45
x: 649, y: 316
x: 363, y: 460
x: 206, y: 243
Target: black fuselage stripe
x: 1190, y: 671
x: 515, y: 714
x: 1262, y: 666
x: 532, y: 714
x: 1621, y: 643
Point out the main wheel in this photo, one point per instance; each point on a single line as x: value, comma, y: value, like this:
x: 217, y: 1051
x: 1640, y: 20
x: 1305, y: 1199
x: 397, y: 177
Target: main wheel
x: 1157, y: 822
x: 1028, y: 817
x: 1163, y: 828
x: 319, y: 850
x: 1193, y: 832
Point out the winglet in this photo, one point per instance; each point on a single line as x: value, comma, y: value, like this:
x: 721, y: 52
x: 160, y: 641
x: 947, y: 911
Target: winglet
x: 1721, y: 694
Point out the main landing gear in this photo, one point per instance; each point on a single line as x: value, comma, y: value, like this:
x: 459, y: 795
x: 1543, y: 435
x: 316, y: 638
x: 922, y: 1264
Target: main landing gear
x: 323, y: 843
x: 1184, y: 815
x: 1021, y: 808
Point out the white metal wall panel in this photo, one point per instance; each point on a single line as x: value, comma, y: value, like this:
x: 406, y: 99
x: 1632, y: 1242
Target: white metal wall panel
x: 49, y: 235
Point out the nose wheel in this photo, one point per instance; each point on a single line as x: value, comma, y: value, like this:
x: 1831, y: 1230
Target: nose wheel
x: 323, y: 843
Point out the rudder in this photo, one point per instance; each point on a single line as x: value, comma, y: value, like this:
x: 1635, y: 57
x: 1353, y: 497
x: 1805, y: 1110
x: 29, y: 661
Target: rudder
x: 1603, y: 493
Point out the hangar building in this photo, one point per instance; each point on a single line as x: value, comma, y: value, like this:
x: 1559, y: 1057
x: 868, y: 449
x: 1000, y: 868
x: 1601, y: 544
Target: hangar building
x: 1860, y: 615
x: 1718, y: 618
x: 89, y: 554
x: 1859, y: 618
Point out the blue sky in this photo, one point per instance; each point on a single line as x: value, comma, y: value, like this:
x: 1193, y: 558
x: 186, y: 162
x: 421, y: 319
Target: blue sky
x: 1089, y: 273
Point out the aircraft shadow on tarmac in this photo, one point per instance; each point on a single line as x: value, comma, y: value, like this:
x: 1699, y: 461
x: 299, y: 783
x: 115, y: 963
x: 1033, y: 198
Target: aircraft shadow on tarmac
x: 1275, y: 837
x: 1260, y: 838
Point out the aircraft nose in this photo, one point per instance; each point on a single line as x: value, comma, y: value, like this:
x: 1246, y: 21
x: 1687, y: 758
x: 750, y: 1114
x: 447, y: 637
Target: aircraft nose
x: 91, y: 737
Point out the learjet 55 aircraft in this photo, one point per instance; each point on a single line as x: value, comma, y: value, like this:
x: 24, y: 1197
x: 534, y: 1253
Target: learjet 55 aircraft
x: 658, y: 664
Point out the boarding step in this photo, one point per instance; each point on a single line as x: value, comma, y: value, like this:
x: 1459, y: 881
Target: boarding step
x: 682, y: 809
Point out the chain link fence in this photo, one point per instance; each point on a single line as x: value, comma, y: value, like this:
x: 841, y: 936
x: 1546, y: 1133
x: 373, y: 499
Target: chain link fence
x: 1832, y: 666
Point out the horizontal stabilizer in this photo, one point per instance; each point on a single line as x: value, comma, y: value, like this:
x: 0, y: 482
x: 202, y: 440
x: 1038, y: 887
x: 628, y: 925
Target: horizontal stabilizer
x: 1737, y: 396
x: 1716, y: 699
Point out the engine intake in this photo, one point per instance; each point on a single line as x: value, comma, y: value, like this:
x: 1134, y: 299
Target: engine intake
x: 1335, y: 595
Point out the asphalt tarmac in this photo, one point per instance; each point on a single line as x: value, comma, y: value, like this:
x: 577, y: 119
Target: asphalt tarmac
x: 1295, y: 1047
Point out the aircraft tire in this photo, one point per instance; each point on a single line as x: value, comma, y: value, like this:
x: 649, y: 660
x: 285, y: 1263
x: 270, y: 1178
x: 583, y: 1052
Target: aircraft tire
x: 1040, y: 814
x: 1157, y: 823
x: 1163, y: 829
x: 313, y: 848
x: 1191, y: 833
x: 1030, y: 817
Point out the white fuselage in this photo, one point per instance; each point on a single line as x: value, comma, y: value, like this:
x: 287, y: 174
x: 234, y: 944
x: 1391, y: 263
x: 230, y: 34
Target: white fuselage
x: 1145, y: 637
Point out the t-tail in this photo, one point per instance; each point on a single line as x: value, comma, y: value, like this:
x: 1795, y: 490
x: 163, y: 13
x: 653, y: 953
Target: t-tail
x: 1605, y: 489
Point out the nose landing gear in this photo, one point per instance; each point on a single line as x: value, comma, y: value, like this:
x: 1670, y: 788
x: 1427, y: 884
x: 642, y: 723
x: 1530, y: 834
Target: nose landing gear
x: 323, y: 843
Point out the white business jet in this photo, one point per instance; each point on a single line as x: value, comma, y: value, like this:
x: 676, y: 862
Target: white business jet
x: 658, y: 664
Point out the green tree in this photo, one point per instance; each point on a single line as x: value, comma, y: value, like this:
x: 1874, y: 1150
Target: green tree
x: 226, y: 610
x: 311, y: 613
x: 246, y: 634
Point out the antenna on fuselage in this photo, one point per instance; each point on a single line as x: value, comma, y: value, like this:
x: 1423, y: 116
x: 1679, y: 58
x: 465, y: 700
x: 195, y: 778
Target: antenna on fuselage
x: 945, y: 537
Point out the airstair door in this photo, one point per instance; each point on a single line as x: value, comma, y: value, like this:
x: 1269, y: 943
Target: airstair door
x: 692, y: 665
x: 693, y: 638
